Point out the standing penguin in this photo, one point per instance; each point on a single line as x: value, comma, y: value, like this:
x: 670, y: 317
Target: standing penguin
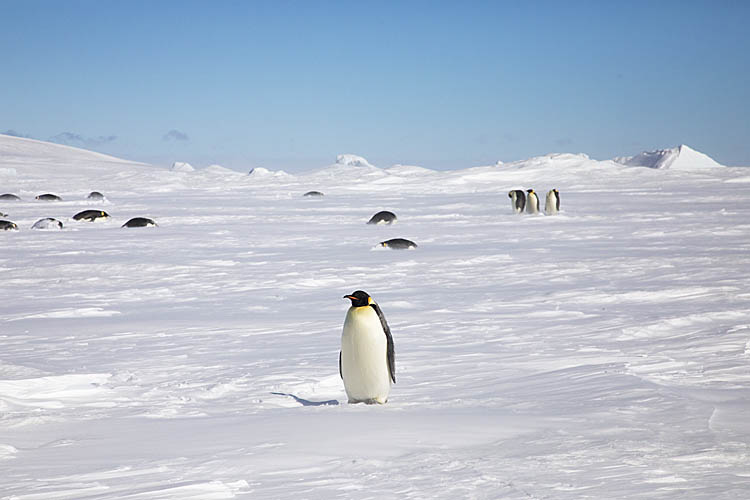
x: 367, y: 361
x: 532, y: 202
x: 552, y: 203
x: 518, y: 200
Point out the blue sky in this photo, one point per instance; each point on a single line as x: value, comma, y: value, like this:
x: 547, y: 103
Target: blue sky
x: 438, y: 84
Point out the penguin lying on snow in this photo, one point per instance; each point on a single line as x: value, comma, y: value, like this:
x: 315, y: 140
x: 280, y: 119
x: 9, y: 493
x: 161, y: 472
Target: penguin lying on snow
x: 367, y: 360
x: 313, y: 194
x: 383, y: 217
x: 398, y: 244
x: 552, y: 203
x: 48, y: 197
x: 95, y: 195
x: 518, y: 200
x: 140, y: 222
x: 91, y: 215
x: 9, y: 197
x: 47, y: 223
x: 6, y: 225
x: 532, y: 202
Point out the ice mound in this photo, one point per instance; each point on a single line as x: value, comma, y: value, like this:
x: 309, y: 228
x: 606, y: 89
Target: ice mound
x: 181, y: 166
x: 261, y: 172
x: 352, y: 161
x: 680, y: 158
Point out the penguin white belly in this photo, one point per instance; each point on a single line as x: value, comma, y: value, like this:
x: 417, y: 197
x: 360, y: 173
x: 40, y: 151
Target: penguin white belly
x: 532, y: 204
x: 364, y: 364
x: 550, y: 204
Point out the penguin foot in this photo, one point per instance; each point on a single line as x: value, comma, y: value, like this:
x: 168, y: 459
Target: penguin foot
x: 368, y: 401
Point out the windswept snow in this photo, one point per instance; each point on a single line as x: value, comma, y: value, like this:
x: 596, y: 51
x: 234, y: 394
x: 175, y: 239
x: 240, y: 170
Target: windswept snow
x: 680, y: 158
x: 598, y: 353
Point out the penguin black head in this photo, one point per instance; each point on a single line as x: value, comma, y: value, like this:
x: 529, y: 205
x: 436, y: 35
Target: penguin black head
x: 529, y: 191
x: 359, y: 299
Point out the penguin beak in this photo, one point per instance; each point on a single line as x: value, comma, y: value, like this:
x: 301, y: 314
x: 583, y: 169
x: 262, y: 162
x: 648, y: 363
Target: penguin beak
x: 350, y: 297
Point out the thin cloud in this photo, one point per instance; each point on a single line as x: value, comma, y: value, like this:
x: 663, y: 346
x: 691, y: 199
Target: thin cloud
x: 175, y: 135
x: 73, y: 139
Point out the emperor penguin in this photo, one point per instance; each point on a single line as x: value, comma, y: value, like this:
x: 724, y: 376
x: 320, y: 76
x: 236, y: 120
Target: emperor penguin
x: 91, y: 215
x: 367, y: 361
x: 383, y: 217
x: 532, y: 202
x: 518, y: 200
x: 48, y: 197
x: 552, y: 203
x: 140, y: 222
x: 6, y: 225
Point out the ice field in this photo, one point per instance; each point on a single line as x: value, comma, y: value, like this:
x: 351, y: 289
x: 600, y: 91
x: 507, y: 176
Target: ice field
x: 603, y: 352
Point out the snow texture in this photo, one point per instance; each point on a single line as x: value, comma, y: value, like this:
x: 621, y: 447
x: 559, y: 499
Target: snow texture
x: 603, y: 352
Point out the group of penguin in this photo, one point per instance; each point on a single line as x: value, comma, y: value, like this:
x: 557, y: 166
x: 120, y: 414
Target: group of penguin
x: 382, y: 217
x: 367, y: 359
x: 529, y: 201
x: 85, y: 215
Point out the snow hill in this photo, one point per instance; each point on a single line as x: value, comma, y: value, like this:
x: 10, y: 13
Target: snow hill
x: 603, y: 352
x: 680, y: 158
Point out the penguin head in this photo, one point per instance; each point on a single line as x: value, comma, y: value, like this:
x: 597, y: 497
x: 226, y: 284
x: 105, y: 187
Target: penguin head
x: 530, y: 191
x: 359, y: 299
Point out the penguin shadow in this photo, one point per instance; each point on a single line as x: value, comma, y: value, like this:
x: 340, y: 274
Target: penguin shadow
x: 307, y: 402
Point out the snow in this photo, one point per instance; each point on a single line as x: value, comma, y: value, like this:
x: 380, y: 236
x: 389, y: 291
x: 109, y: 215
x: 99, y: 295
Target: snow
x: 680, y: 158
x: 598, y: 353
x: 181, y: 166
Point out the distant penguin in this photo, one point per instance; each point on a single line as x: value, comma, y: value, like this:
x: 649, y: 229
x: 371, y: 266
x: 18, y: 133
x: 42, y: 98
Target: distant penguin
x: 95, y: 196
x: 47, y: 223
x: 517, y: 200
x: 6, y: 225
x: 9, y: 197
x: 140, y: 222
x: 313, y: 194
x: 3, y: 215
x: 91, y: 215
x: 383, y: 217
x: 398, y: 244
x: 48, y: 197
x: 552, y: 203
x: 367, y: 360
x: 532, y: 202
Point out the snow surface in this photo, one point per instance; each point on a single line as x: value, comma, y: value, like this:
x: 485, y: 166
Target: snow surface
x: 600, y: 353
x: 680, y: 158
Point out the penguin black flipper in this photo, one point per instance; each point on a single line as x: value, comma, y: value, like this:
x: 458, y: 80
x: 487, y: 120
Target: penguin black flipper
x: 391, y: 351
x: 341, y: 374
